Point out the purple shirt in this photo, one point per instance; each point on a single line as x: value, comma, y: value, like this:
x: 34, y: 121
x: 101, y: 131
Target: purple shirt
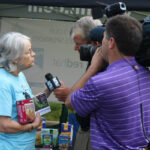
x: 112, y: 99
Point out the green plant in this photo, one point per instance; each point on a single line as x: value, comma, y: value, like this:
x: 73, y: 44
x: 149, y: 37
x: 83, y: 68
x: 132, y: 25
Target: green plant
x: 55, y: 113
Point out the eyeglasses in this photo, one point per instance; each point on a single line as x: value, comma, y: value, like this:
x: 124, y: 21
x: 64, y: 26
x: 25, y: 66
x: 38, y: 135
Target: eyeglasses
x: 29, y: 52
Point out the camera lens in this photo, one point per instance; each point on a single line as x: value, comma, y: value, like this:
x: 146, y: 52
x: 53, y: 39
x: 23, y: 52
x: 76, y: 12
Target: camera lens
x: 87, y: 52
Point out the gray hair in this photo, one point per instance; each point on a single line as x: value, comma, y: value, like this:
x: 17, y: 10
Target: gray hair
x: 12, y: 46
x: 83, y: 27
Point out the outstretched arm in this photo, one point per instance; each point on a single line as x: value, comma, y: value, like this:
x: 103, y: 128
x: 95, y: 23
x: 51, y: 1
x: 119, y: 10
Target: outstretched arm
x: 96, y: 64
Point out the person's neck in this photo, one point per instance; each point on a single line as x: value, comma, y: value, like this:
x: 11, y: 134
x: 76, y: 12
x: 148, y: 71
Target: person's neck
x: 115, y: 55
x: 118, y: 58
x: 15, y: 73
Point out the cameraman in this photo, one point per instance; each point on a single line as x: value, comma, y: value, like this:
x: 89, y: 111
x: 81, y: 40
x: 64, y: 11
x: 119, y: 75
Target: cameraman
x: 87, y: 50
x: 80, y: 35
x: 118, y: 99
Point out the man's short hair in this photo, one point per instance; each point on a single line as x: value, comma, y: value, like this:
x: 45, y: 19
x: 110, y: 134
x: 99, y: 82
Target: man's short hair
x: 83, y: 27
x: 127, y: 32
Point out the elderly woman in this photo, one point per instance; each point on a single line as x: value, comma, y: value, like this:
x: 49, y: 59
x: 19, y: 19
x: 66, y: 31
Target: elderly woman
x: 16, y: 55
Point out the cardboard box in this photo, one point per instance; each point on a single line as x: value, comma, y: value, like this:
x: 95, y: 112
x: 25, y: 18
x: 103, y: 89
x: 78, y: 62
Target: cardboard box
x: 26, y: 111
x: 64, y: 141
x: 67, y: 129
x: 53, y: 133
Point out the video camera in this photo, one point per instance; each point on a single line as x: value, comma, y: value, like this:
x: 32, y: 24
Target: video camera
x: 115, y: 9
x: 87, y: 51
x: 143, y: 55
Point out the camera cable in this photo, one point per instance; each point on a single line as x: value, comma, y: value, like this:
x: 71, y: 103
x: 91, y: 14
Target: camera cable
x: 136, y: 68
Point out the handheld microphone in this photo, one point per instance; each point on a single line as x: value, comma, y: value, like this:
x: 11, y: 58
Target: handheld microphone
x: 52, y: 82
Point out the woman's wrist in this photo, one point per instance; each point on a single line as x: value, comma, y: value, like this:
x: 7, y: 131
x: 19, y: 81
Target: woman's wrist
x: 31, y: 127
x: 47, y: 92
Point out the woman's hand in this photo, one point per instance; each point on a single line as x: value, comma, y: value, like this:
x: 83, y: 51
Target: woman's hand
x: 37, y: 122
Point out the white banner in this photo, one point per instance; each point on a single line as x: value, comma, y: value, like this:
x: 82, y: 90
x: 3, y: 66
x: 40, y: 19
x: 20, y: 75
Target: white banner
x: 53, y: 48
x: 43, y: 12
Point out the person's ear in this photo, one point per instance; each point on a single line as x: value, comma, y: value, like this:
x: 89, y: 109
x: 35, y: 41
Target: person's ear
x: 15, y: 61
x: 98, y: 43
x: 111, y: 43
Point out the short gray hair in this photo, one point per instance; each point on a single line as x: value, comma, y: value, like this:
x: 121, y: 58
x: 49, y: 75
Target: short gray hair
x: 83, y: 27
x: 12, y: 46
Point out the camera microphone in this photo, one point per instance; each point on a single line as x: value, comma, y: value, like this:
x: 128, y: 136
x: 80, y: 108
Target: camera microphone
x: 52, y: 82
